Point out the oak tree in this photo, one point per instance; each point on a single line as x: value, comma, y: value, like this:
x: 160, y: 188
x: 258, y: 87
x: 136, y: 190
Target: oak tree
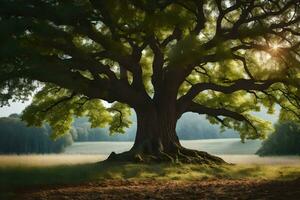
x: 222, y: 58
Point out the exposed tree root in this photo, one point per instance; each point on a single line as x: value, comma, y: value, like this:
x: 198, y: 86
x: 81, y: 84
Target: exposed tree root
x: 181, y: 155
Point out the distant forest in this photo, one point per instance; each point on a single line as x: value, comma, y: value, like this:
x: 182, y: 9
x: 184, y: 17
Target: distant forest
x: 190, y: 127
x: 16, y: 137
x: 284, y: 141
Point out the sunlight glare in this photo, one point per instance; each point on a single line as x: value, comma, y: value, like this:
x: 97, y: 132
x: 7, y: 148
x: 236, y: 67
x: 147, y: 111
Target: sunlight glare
x: 275, y: 47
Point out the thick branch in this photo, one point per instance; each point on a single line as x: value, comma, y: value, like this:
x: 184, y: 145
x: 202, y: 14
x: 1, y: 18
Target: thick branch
x: 216, y: 112
x: 200, y: 109
x: 200, y: 17
x: 241, y: 84
x: 157, y: 66
x: 176, y: 35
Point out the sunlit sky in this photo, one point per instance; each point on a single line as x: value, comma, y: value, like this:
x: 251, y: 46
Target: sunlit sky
x: 15, y: 107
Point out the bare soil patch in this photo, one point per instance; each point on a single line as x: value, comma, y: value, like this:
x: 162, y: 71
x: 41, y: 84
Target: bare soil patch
x: 156, y: 189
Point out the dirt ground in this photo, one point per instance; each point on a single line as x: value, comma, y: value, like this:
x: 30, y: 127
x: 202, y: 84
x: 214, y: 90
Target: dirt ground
x: 153, y: 189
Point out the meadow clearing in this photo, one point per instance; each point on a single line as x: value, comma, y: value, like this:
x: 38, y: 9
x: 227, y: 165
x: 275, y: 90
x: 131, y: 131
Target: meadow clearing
x: 84, y: 176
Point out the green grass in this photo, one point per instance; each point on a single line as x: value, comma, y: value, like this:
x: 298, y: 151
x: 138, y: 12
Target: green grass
x: 16, y: 177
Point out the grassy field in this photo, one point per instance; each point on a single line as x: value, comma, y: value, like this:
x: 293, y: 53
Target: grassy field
x: 17, y: 175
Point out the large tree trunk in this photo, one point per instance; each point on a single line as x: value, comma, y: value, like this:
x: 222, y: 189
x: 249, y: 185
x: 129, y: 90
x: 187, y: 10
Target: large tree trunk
x: 155, y: 131
x: 156, y: 141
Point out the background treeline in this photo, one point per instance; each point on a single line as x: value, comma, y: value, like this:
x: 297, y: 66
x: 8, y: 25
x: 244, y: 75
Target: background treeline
x: 190, y: 127
x: 16, y: 138
x: 284, y: 141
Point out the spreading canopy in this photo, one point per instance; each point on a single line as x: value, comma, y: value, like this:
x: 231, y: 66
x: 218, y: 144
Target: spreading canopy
x: 222, y: 58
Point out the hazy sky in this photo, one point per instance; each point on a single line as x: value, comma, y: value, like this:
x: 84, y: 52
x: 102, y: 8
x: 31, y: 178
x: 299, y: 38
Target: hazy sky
x: 15, y: 107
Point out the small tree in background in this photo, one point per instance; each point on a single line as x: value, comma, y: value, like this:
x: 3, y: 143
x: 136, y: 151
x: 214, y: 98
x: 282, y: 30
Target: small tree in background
x: 284, y: 141
x: 220, y: 58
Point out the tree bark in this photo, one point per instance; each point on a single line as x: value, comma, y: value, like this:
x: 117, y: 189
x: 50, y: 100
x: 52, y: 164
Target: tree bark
x: 155, y: 131
x: 156, y: 140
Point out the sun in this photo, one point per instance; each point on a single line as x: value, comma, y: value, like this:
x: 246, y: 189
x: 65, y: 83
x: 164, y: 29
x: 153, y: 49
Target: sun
x: 275, y: 47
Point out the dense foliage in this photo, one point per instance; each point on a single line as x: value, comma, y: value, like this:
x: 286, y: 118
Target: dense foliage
x: 284, y: 141
x: 17, y: 138
x: 222, y: 58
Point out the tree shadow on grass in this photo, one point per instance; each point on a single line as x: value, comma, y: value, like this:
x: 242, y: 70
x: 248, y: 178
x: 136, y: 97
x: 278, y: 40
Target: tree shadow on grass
x: 14, y: 179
